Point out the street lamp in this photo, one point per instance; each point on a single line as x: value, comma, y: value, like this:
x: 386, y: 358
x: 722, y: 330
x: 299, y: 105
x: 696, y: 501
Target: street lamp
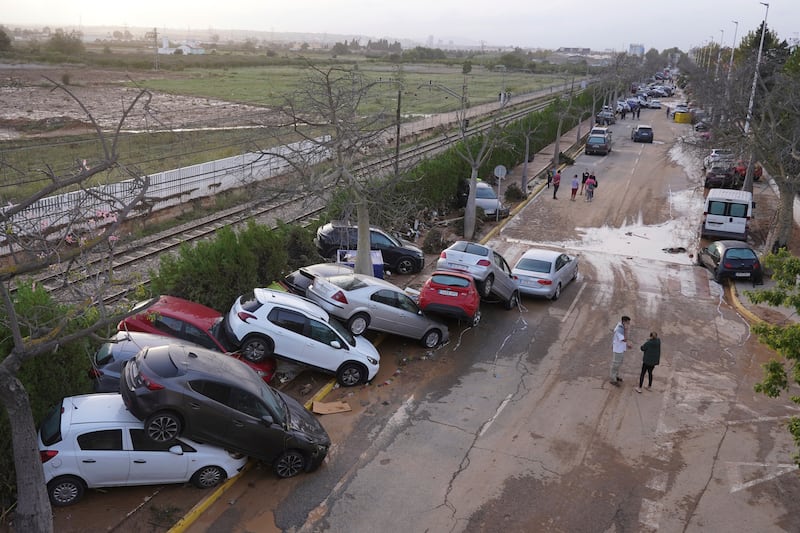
x: 719, y: 54
x: 755, y: 74
x: 710, y: 48
x: 733, y: 46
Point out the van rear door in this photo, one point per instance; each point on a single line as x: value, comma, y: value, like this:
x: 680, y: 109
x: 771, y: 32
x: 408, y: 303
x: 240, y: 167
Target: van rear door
x: 726, y: 218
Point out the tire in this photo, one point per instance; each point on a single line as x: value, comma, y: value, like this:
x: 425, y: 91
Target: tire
x: 486, y: 287
x: 513, y: 302
x: 358, y: 323
x: 257, y: 348
x: 405, y: 265
x: 476, y: 318
x: 351, y: 374
x: 289, y: 463
x: 163, y: 426
x: 557, y: 293
x: 65, y: 490
x: 432, y: 338
x: 208, y: 477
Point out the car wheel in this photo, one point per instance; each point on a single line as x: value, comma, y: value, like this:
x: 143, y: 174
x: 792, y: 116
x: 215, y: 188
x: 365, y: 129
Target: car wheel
x: 405, y: 266
x: 513, y: 302
x: 358, y: 323
x: 65, y: 490
x: 486, y: 286
x: 476, y: 318
x: 432, y: 338
x: 289, y: 463
x: 162, y: 426
x: 208, y: 476
x: 351, y: 374
x: 256, y: 348
x: 557, y: 292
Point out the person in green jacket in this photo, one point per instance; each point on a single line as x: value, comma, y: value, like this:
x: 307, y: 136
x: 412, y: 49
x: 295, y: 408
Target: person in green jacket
x: 650, y: 358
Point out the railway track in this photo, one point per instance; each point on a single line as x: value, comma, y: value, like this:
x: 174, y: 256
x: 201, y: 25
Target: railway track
x: 143, y: 254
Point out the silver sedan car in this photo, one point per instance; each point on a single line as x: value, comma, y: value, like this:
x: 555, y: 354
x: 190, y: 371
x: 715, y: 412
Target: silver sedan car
x: 542, y: 272
x: 364, y: 302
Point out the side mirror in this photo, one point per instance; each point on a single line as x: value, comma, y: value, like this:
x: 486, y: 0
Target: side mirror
x: 267, y: 420
x: 336, y: 344
x: 177, y: 450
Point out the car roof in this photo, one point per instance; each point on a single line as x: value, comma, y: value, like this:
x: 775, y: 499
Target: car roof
x: 366, y: 279
x: 733, y: 244
x: 96, y: 408
x: 541, y: 253
x: 201, y: 361
x: 189, y: 311
x: 273, y: 297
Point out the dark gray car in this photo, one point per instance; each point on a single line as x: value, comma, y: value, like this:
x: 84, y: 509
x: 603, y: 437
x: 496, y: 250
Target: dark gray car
x: 210, y: 397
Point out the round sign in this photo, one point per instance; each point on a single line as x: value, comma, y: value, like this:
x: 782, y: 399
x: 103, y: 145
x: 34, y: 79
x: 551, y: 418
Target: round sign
x: 500, y: 172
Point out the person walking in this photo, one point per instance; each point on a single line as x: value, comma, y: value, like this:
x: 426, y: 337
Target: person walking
x: 638, y: 111
x: 650, y: 359
x: 619, y: 345
x: 550, y: 174
x: 575, y: 183
x: 556, y: 183
x: 584, y: 177
x: 667, y: 111
x: 591, y: 183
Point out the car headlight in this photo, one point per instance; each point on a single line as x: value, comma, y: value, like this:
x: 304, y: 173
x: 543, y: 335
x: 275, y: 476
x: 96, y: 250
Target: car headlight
x: 372, y: 360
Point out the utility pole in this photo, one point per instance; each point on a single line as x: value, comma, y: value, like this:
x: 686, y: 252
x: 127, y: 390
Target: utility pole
x: 733, y: 47
x: 748, y: 178
x: 153, y: 35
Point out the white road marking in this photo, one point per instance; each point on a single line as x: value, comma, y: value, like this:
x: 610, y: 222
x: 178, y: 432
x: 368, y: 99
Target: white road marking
x: 650, y: 514
x: 489, y: 422
x: 737, y: 479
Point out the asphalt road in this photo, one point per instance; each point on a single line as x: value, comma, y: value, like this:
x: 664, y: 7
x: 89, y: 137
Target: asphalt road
x: 513, y: 426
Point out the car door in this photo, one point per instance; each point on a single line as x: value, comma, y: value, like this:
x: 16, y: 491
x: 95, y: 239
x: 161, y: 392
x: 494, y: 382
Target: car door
x: 323, y: 347
x: 564, y: 269
x: 207, y: 413
x: 394, y: 312
x: 290, y: 332
x: 504, y: 282
x: 249, y: 428
x: 101, y: 457
x: 388, y: 249
x: 153, y: 462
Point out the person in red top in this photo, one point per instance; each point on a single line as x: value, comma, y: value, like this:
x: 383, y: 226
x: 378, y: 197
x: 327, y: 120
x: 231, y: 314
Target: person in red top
x: 556, y: 183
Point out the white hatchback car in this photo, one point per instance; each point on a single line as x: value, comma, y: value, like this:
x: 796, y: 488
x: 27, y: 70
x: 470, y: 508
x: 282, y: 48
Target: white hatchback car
x: 269, y: 323
x: 93, y: 441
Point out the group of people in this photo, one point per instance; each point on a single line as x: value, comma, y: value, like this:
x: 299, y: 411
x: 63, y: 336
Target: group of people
x: 651, y: 354
x: 587, y: 182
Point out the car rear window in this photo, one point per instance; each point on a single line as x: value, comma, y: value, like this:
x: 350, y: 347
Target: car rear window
x: 596, y: 139
x: 50, y: 429
x: 534, y: 265
x: 740, y: 253
x: 470, y: 248
x: 347, y: 282
x: 645, y: 130
x: 160, y: 361
x: 249, y: 302
x: 450, y: 281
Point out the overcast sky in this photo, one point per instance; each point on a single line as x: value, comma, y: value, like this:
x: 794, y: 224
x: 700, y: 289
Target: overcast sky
x: 599, y: 25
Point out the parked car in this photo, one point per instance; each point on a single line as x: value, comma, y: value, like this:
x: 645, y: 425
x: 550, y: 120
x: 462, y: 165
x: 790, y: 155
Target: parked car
x: 93, y: 441
x: 171, y: 317
x: 488, y: 268
x: 654, y: 103
x: 486, y: 198
x: 731, y: 259
x: 365, y: 302
x: 269, y: 323
x: 718, y: 155
x: 543, y: 272
x: 600, y: 130
x: 453, y: 294
x: 298, y: 281
x: 598, y: 144
x: 203, y: 395
x: 606, y: 117
x: 720, y: 176
x: 179, y: 318
x: 642, y: 133
x: 400, y: 256
x: 740, y: 168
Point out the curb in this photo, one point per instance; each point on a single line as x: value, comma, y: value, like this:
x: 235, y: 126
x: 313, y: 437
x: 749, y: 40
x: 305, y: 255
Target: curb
x: 740, y: 308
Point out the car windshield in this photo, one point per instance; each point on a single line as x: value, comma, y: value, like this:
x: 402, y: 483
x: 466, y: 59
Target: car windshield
x: 275, y: 403
x: 534, y: 265
x: 50, y: 430
x: 342, y: 331
x: 486, y: 193
x: 104, y: 354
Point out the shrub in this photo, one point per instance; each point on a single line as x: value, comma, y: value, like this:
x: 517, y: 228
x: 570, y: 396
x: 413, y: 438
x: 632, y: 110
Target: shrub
x: 514, y: 193
x: 434, y: 241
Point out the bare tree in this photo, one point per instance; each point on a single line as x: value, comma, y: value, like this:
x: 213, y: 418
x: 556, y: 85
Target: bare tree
x: 65, y: 246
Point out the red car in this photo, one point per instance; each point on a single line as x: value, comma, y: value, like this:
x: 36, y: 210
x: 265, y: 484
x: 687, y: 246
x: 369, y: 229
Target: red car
x: 452, y: 294
x: 741, y: 169
x: 175, y: 317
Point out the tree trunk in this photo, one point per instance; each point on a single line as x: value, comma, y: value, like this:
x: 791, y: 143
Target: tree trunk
x: 469, y: 211
x: 33, y: 512
x: 785, y: 225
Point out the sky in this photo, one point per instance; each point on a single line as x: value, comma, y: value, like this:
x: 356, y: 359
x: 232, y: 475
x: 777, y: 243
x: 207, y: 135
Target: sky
x: 606, y: 25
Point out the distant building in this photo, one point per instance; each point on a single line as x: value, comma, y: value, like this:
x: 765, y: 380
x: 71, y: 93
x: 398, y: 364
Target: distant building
x: 581, y: 51
x: 636, y: 50
x: 187, y: 48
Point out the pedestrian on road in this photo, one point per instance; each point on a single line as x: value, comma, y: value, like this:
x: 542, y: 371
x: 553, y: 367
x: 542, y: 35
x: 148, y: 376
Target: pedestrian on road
x: 650, y: 359
x: 556, y: 183
x: 619, y: 344
x: 550, y: 174
x: 591, y: 183
x: 667, y: 111
x: 584, y: 177
x: 575, y: 183
x: 638, y: 111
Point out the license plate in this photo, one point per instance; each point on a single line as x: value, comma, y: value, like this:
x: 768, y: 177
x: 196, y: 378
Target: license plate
x: 444, y: 292
x: 454, y: 266
x: 743, y: 274
x: 527, y: 282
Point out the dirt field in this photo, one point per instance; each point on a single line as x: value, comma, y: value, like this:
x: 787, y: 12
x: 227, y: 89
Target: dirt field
x: 30, y: 106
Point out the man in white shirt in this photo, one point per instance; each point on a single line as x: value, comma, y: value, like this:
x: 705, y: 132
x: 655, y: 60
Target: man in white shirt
x: 619, y: 344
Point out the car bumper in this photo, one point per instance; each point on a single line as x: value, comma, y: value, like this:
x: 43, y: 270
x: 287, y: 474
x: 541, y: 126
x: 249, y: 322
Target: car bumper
x: 545, y: 291
x: 451, y: 311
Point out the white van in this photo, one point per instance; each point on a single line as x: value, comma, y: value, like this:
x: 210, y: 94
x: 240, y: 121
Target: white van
x: 727, y: 214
